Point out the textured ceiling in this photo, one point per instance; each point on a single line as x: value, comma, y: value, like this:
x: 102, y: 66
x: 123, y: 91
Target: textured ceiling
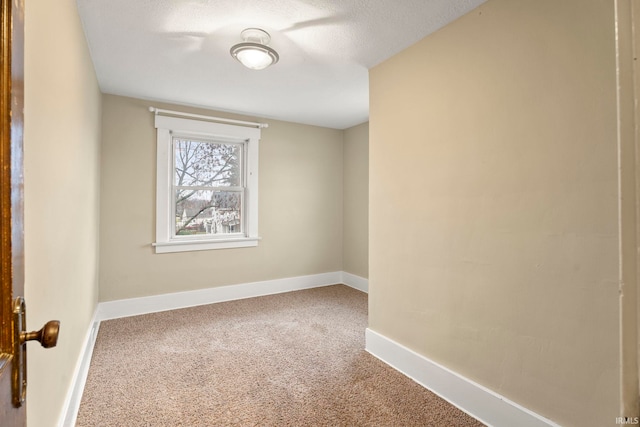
x: 178, y: 51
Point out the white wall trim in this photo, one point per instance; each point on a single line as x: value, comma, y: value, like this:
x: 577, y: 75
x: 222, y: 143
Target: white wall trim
x: 355, y: 282
x: 164, y: 302
x: 474, y: 399
x: 74, y: 393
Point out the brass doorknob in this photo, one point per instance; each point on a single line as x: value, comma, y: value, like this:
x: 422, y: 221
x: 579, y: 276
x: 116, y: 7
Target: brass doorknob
x: 47, y: 336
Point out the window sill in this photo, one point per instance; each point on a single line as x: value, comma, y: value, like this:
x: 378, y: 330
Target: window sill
x: 204, y: 245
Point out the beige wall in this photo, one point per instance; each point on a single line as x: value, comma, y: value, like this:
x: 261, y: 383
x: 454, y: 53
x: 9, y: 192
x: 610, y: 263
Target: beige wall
x: 300, y: 209
x: 356, y: 200
x: 628, y: 46
x: 493, y: 204
x: 62, y: 135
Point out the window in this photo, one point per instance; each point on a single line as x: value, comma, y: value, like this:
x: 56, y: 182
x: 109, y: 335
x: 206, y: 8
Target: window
x: 207, y: 185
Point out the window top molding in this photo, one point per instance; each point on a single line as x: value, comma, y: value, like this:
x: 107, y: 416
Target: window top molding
x: 176, y: 124
x: 159, y: 111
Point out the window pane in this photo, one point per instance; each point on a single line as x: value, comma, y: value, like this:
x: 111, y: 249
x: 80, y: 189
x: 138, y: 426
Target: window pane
x: 207, y: 164
x: 208, y: 212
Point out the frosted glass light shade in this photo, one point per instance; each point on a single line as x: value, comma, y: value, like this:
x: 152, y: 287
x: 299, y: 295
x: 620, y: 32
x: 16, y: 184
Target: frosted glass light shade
x: 254, y: 52
x: 254, y: 56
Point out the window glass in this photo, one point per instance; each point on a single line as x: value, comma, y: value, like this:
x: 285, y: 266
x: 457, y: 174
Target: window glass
x: 208, y: 187
x: 201, y: 212
x: 207, y: 163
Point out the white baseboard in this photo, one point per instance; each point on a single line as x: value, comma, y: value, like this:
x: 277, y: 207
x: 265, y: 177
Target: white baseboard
x: 355, y: 282
x: 156, y: 303
x: 74, y: 394
x: 476, y: 400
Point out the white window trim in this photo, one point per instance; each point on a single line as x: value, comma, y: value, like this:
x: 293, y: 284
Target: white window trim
x: 165, y: 242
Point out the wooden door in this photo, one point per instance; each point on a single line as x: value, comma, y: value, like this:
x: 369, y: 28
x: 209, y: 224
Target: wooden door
x: 13, y: 337
x: 11, y: 200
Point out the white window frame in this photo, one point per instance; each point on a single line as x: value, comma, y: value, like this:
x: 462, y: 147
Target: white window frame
x: 165, y: 240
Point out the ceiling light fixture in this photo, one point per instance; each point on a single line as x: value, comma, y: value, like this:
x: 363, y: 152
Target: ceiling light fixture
x: 254, y: 53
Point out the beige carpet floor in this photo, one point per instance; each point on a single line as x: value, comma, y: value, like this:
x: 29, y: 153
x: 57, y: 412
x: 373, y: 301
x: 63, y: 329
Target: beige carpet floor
x: 293, y: 359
